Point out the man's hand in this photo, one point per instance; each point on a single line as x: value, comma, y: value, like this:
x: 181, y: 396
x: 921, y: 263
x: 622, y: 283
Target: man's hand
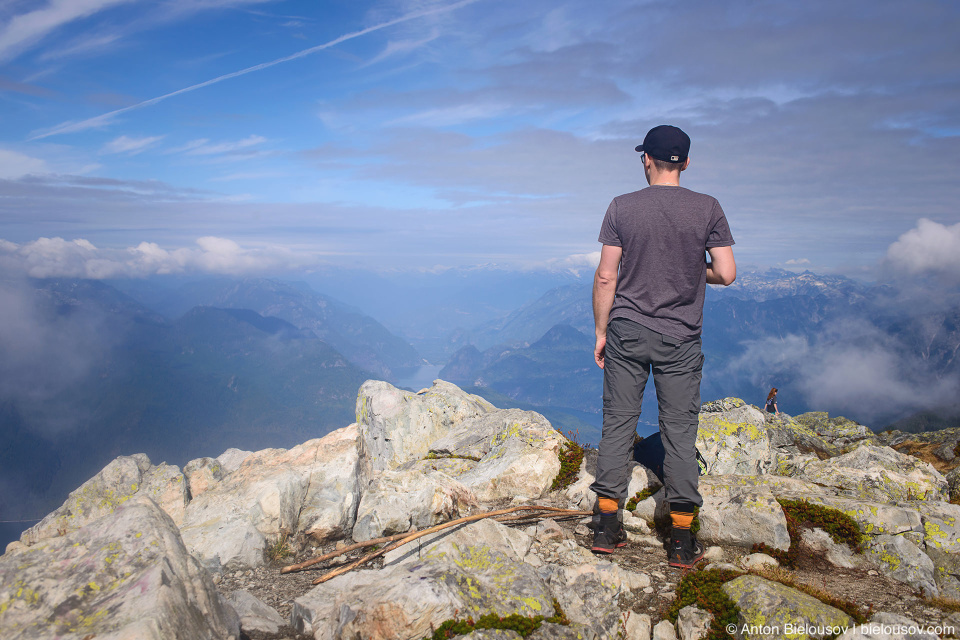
x: 599, y: 350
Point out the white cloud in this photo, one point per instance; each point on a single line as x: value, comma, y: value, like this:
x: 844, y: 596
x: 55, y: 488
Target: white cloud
x: 928, y: 249
x: 796, y: 261
x: 130, y: 146
x: 59, y: 258
x: 402, y: 47
x: 203, y: 147
x: 15, y: 165
x: 24, y: 30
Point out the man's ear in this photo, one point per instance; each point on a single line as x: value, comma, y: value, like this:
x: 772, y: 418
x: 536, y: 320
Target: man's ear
x: 686, y: 163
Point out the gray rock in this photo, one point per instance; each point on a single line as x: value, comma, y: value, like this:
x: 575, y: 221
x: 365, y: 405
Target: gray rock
x: 522, y: 460
x: 553, y: 631
x: 312, y: 488
x: 232, y: 458
x: 254, y: 614
x: 879, y: 473
x: 758, y: 560
x: 742, y: 517
x: 125, y: 575
x: 398, y: 426
x: 946, y: 568
x: 839, y: 555
x: 114, y: 485
x: 450, y: 543
x: 407, y: 600
x: 492, y: 634
x: 767, y: 606
x: 664, y: 631
x: 587, y: 594
x: 202, y: 474
x: 734, y: 441
x: 548, y: 529
x: 903, y: 561
x: 165, y: 485
x: 637, y: 626
x: 395, y: 501
x: 941, y: 526
x: 693, y: 623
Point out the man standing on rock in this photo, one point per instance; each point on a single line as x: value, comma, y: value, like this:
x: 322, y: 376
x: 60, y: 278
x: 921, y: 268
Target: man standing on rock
x: 648, y: 307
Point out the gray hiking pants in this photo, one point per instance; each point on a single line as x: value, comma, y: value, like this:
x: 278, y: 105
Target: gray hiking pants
x: 631, y: 351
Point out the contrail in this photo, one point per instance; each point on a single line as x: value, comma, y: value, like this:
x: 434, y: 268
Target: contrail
x: 69, y: 127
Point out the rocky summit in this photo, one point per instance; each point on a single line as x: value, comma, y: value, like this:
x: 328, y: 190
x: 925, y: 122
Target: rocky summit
x: 816, y: 528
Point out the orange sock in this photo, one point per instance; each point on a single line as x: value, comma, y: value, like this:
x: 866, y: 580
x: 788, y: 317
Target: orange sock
x: 681, y: 520
x: 609, y: 505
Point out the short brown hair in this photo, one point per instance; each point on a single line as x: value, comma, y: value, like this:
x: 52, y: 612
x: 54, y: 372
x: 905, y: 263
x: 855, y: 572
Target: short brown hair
x: 663, y: 165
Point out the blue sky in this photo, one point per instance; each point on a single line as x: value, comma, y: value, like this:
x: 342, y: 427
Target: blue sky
x: 273, y: 136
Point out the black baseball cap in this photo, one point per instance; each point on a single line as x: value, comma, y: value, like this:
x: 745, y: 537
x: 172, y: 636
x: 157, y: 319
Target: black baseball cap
x: 667, y: 143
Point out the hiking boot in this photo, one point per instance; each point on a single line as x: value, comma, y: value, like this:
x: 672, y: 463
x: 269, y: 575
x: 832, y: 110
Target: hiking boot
x: 685, y: 550
x: 609, y: 534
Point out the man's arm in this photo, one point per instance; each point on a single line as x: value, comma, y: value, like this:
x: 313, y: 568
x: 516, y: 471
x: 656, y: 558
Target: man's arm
x: 722, y: 268
x: 604, y: 289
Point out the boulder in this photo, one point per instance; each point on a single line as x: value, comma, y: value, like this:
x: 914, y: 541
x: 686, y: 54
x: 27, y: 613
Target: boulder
x: 165, y: 485
x: 398, y: 426
x: 741, y: 516
x: 880, y: 474
x: 637, y: 626
x: 766, y: 607
x: 449, y: 543
x: 588, y: 594
x: 664, y: 631
x: 114, y: 485
x: 232, y: 458
x: 395, y: 501
x: 841, y: 433
x: 202, y: 474
x: 839, y: 555
x: 408, y: 600
x: 946, y: 568
x: 903, y: 561
x: 693, y: 623
x: 941, y: 526
x: 312, y: 488
x: 792, y: 437
x: 521, y: 461
x: 733, y: 438
x: 254, y: 614
x: 124, y: 575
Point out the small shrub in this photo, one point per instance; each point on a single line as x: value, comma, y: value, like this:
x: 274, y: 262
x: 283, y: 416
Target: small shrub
x: 640, y: 497
x: 523, y: 625
x: 280, y: 549
x: 704, y: 589
x: 571, y: 457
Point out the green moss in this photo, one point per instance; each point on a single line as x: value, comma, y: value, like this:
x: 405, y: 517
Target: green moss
x: 640, y: 497
x: 705, y: 590
x: 524, y: 625
x: 802, y: 514
x: 437, y: 456
x: 570, y: 455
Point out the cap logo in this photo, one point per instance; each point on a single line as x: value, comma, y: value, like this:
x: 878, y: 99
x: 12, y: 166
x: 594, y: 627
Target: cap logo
x: 674, y: 158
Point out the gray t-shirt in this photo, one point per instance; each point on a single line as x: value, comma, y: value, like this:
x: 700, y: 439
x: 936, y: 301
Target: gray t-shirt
x: 664, y: 232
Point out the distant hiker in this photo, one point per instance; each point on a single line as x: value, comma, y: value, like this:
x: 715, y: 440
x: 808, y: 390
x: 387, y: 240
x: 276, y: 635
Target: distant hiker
x: 771, y: 406
x: 648, y: 308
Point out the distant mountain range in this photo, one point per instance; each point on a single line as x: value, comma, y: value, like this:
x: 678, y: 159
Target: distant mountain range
x: 875, y: 353
x: 174, y: 389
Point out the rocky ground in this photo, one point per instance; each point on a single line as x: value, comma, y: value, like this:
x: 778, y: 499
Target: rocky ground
x: 871, y: 591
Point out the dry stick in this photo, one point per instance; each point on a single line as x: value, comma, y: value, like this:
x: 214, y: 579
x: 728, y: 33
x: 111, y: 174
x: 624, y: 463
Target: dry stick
x: 439, y: 527
x: 340, y: 552
x: 369, y: 543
